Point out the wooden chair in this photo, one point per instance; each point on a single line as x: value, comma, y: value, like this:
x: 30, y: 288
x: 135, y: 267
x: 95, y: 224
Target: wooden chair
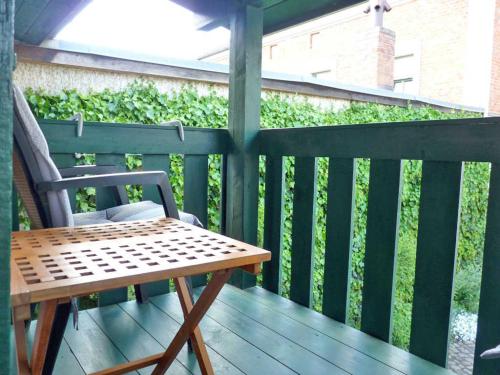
x: 42, y: 188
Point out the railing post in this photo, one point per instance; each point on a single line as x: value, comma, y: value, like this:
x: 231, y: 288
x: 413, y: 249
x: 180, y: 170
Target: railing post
x: 6, y: 66
x: 244, y: 117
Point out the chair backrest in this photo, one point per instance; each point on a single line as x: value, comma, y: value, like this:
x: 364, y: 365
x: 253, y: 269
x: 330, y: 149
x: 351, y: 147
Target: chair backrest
x: 32, y: 165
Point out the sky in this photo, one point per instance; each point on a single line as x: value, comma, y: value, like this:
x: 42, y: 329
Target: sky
x: 151, y: 27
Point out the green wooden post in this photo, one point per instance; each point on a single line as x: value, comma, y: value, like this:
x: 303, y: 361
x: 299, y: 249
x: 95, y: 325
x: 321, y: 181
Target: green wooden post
x: 196, y: 196
x: 381, y: 248
x: 160, y: 162
x: 6, y: 66
x: 303, y: 230
x: 339, y: 226
x: 105, y: 199
x: 273, y: 223
x: 244, y: 117
x: 488, y: 332
x: 436, y: 255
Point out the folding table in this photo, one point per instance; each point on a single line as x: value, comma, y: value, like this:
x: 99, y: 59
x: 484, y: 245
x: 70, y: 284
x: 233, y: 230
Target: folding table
x: 49, y: 266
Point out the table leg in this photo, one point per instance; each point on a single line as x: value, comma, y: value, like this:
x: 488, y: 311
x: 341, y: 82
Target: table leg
x: 196, y: 337
x: 192, y: 320
x: 19, y: 315
x: 42, y: 335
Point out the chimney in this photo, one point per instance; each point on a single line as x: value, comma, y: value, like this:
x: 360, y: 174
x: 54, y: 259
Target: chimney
x: 379, y: 44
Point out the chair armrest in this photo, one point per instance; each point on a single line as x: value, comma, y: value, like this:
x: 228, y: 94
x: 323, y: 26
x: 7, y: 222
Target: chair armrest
x: 158, y: 178
x: 80, y: 170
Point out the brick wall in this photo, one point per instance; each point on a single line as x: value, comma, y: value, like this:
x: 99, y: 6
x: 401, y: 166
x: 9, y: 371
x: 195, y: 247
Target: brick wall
x: 494, y: 99
x: 430, y: 48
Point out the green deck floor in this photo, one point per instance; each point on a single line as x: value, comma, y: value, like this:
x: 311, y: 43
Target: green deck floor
x: 247, y: 332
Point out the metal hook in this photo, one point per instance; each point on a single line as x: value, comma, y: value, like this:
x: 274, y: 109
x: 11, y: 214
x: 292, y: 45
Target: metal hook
x: 78, y: 117
x: 178, y: 125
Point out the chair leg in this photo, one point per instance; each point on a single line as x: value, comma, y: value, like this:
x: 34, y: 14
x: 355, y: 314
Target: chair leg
x: 56, y: 336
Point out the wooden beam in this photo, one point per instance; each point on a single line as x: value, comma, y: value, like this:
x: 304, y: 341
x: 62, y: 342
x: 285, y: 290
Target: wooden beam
x: 6, y: 66
x: 244, y: 117
x: 441, y: 140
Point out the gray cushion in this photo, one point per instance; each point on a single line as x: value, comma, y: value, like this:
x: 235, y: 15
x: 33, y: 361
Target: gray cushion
x: 129, y: 212
x: 60, y: 208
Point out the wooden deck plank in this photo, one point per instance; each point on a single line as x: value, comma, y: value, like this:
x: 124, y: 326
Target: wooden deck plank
x: 292, y: 354
x: 133, y: 341
x: 163, y: 328
x: 250, y: 315
x: 66, y: 363
x: 245, y: 356
x: 92, y: 348
x: 395, y: 357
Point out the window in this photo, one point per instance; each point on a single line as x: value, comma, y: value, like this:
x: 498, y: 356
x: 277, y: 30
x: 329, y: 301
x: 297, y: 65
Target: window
x: 405, y: 74
x: 405, y: 85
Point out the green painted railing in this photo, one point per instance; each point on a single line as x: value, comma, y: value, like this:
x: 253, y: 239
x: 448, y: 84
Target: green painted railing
x: 111, y: 142
x: 443, y: 146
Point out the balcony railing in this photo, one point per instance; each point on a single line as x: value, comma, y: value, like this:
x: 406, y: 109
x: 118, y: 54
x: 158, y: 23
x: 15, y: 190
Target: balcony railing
x: 442, y: 146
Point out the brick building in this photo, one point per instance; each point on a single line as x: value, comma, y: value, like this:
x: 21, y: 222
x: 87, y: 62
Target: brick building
x: 442, y: 49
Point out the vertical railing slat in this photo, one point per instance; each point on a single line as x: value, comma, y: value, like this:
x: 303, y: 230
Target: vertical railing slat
x: 436, y: 255
x: 150, y: 193
x: 273, y: 223
x: 488, y: 333
x: 154, y: 163
x: 105, y: 199
x: 303, y: 223
x: 381, y: 243
x: 339, y: 225
x: 196, y: 195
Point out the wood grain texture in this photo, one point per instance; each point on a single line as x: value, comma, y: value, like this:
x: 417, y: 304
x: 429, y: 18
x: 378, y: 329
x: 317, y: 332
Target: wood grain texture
x: 105, y: 199
x: 191, y: 322
x: 489, y: 302
x: 339, y: 227
x: 303, y: 223
x: 436, y: 255
x: 273, y: 223
x: 154, y: 163
x: 382, y: 226
x: 196, y: 195
x: 440, y: 140
x: 110, y: 138
x: 244, y: 121
x: 67, y: 262
x: 42, y: 335
x: 196, y: 338
x: 6, y: 118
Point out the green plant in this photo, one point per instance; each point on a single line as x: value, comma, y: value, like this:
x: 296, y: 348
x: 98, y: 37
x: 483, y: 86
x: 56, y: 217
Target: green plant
x: 141, y: 102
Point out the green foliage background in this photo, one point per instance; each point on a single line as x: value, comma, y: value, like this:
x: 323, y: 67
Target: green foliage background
x: 141, y: 102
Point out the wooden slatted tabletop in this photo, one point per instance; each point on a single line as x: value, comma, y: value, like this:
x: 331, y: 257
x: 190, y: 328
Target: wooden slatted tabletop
x: 68, y: 262
x: 50, y: 265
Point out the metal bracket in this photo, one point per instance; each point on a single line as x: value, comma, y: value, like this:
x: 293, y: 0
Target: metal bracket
x: 79, y: 128
x: 178, y: 125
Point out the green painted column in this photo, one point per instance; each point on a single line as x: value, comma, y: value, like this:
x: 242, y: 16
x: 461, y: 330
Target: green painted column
x: 244, y: 120
x: 6, y: 65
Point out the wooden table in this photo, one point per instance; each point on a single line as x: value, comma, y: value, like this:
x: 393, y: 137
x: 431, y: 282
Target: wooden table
x: 50, y: 266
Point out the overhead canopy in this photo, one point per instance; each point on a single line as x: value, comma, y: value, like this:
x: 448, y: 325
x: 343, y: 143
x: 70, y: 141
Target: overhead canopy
x: 38, y: 20
x: 278, y: 14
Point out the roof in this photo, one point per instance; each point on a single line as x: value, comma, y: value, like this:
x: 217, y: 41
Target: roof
x: 38, y: 20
